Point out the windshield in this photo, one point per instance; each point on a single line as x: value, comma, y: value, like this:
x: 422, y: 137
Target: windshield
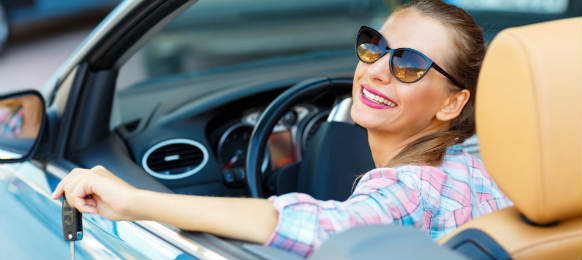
x: 218, y: 45
x: 218, y: 35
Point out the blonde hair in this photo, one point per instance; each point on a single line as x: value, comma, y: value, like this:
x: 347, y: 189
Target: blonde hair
x: 463, y: 66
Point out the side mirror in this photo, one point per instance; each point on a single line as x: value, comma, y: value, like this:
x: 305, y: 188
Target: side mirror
x: 22, y: 119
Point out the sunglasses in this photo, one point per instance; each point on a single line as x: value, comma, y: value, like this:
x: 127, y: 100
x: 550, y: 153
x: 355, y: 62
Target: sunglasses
x: 407, y: 65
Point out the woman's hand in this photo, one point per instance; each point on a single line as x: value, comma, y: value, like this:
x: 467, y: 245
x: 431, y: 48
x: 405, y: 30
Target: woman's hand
x: 97, y: 191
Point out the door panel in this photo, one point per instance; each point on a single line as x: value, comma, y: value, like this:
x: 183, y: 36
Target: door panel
x: 23, y: 236
x: 32, y: 228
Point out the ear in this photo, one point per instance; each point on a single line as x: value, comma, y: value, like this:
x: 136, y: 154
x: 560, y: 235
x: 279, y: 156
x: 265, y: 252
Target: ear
x: 453, y: 105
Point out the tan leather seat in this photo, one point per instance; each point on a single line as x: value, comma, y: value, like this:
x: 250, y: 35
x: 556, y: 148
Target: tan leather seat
x: 529, y: 124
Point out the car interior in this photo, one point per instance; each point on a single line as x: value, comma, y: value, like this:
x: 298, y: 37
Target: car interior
x: 189, y: 133
x: 275, y: 128
x: 529, y: 123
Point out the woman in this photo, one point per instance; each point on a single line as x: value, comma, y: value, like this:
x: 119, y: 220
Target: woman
x: 415, y: 111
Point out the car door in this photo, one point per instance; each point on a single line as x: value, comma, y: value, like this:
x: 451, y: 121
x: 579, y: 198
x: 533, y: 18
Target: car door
x: 78, y: 134
x: 78, y: 99
x: 31, y: 226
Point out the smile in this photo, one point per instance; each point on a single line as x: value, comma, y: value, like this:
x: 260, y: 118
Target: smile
x: 375, y: 100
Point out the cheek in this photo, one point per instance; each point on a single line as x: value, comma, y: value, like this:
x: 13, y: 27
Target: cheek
x: 360, y: 69
x: 423, y: 102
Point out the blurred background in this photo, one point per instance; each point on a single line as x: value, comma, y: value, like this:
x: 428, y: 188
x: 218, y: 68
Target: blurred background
x: 37, y: 36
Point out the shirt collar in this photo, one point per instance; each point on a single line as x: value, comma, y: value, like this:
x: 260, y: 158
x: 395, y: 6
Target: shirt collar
x: 454, y: 149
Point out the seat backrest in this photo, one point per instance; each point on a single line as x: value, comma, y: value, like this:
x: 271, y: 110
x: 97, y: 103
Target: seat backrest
x: 529, y: 123
x: 529, y: 117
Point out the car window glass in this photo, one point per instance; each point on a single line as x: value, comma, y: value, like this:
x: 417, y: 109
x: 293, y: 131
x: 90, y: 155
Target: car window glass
x: 520, y: 6
x: 223, y: 33
x: 219, y: 36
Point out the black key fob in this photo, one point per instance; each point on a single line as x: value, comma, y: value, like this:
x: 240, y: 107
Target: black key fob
x: 72, y: 222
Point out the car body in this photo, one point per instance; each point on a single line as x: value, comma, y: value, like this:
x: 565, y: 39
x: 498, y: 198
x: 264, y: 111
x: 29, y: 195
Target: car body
x: 134, y: 88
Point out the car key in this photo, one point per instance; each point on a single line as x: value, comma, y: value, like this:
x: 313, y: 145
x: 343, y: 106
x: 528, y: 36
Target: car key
x: 72, y: 221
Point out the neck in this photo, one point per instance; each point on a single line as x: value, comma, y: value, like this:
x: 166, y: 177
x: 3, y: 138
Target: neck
x: 385, y: 145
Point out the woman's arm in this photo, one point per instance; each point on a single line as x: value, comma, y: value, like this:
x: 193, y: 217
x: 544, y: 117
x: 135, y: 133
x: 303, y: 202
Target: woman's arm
x: 241, y: 218
x: 98, y: 191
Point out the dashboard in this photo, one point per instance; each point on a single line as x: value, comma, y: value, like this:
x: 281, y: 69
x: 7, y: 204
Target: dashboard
x: 200, y: 147
x: 285, y: 145
x: 191, y: 133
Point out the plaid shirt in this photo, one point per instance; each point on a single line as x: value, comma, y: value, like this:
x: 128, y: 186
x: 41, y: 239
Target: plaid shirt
x: 436, y: 200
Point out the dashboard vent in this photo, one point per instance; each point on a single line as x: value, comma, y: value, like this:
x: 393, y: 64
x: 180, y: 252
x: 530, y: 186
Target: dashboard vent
x: 175, y: 159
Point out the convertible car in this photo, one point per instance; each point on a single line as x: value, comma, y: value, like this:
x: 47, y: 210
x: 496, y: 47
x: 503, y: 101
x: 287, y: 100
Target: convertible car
x: 251, y: 99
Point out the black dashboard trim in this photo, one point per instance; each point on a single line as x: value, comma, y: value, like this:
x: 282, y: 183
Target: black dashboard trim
x: 209, y: 102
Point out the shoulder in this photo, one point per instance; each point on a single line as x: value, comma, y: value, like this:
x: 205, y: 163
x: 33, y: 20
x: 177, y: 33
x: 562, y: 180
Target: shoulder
x: 464, y: 167
x: 468, y: 175
x: 456, y: 164
x: 410, y: 176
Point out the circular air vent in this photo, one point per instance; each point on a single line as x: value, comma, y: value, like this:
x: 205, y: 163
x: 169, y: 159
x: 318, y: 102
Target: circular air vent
x: 175, y: 159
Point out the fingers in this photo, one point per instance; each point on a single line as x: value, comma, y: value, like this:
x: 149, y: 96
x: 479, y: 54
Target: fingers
x: 60, y: 189
x: 87, y: 206
x: 75, y: 186
x: 69, y: 181
x: 91, y: 202
x: 80, y: 189
x: 90, y: 190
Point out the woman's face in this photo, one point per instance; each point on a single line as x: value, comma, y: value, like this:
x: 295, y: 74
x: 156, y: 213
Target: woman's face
x: 414, y: 104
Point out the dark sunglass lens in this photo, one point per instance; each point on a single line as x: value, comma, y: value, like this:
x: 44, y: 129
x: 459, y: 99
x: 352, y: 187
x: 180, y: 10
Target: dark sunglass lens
x: 408, y: 66
x: 370, y: 46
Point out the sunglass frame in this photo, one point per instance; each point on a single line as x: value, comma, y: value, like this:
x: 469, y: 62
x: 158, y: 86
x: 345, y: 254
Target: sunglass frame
x: 430, y: 62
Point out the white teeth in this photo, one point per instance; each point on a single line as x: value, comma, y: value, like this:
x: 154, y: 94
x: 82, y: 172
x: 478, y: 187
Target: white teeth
x: 377, y: 99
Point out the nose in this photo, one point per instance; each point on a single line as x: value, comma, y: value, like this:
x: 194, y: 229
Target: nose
x: 379, y: 71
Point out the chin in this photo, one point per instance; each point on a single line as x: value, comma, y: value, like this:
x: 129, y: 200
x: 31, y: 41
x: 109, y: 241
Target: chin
x: 366, y: 119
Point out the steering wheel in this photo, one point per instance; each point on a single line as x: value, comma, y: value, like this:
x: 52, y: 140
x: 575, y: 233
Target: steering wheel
x: 272, y: 114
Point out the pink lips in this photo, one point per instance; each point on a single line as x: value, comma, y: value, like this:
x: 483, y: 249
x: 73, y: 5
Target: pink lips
x: 371, y: 103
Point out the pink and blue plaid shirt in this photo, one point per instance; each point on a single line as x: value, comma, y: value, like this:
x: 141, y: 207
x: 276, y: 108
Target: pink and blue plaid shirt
x: 434, y: 199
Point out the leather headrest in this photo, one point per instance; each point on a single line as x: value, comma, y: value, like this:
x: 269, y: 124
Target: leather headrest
x: 529, y: 117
